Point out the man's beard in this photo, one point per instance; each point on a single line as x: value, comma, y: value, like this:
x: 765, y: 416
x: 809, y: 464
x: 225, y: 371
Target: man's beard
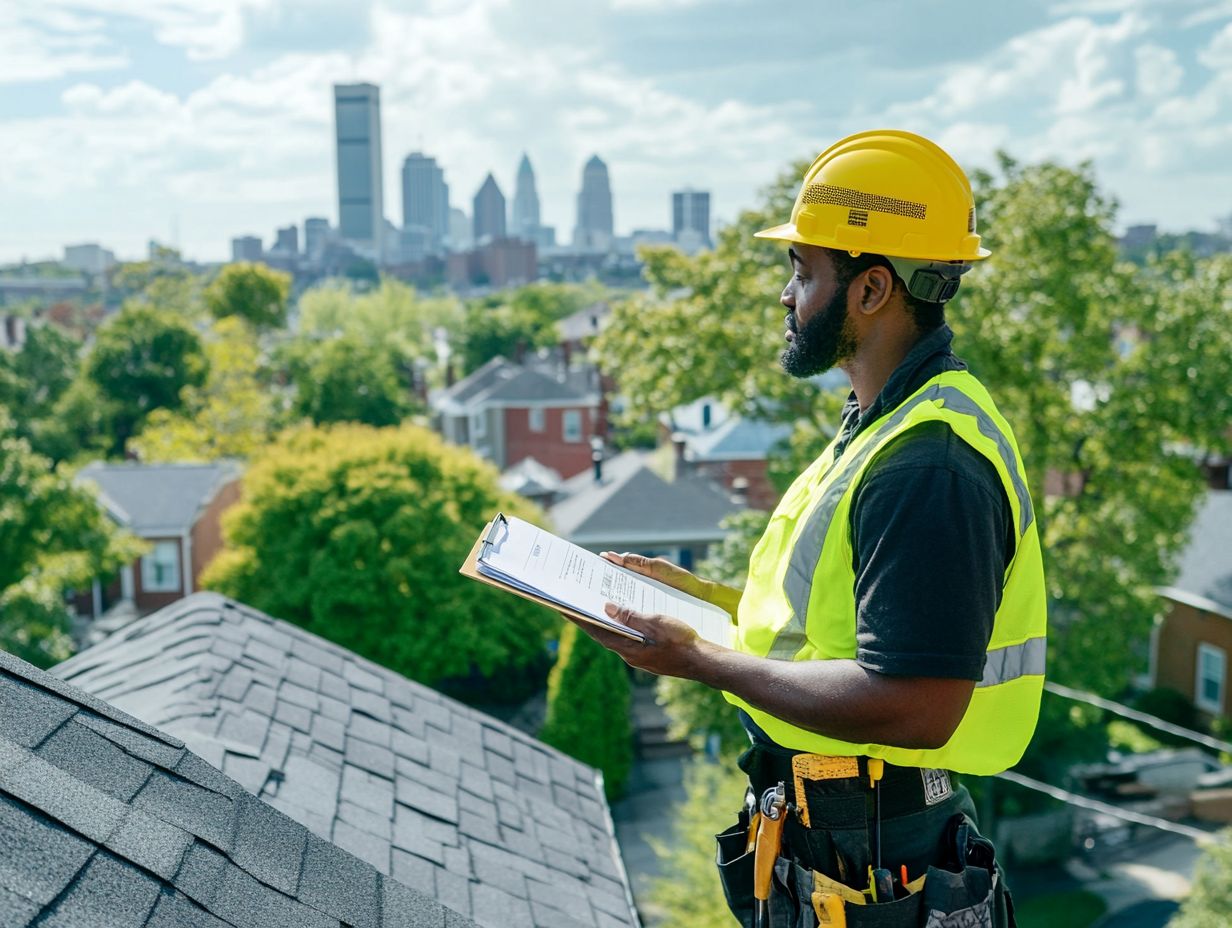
x: 826, y: 339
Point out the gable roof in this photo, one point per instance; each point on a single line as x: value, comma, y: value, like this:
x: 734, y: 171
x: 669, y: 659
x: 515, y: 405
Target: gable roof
x: 585, y: 323
x: 107, y: 821
x: 633, y: 504
x: 737, y: 439
x: 487, y: 820
x: 157, y: 499
x: 500, y: 382
x: 1205, y: 578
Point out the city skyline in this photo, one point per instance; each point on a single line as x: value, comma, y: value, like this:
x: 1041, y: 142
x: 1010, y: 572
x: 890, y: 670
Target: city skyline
x: 126, y: 122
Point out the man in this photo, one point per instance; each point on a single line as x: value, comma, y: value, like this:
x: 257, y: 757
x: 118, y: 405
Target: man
x: 892, y: 627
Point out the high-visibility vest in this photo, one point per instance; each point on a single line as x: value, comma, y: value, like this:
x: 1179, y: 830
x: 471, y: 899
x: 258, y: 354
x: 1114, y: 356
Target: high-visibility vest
x: 799, y: 602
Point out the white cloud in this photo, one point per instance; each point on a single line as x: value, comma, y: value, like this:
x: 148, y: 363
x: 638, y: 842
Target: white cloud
x: 1159, y: 74
x: 1218, y: 54
x: 43, y: 43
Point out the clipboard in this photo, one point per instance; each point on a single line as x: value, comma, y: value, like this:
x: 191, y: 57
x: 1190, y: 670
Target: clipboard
x: 470, y: 568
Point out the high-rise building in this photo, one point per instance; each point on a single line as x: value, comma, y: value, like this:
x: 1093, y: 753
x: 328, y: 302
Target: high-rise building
x: 691, y: 217
x: 361, y: 206
x: 316, y: 235
x: 286, y: 240
x: 247, y: 248
x: 425, y: 202
x: 593, y: 231
x: 460, y: 231
x: 525, y: 203
x: 489, y: 215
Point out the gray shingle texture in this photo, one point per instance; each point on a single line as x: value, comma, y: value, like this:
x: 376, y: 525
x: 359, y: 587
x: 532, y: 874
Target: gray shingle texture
x: 494, y: 824
x: 106, y: 822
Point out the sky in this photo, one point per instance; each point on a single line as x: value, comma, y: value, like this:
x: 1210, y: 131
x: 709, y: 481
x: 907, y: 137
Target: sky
x: 193, y: 121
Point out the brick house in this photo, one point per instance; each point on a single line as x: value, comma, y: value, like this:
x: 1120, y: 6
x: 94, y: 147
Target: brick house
x: 508, y: 412
x: 1191, y: 644
x: 177, y: 509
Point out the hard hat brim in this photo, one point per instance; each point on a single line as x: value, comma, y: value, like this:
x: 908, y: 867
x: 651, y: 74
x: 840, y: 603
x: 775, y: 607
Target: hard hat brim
x: 787, y: 232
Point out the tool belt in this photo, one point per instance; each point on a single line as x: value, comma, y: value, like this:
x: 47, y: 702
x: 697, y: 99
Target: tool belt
x: 939, y: 871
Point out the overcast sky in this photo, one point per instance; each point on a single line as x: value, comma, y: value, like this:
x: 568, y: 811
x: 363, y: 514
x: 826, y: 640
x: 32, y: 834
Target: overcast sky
x: 191, y: 121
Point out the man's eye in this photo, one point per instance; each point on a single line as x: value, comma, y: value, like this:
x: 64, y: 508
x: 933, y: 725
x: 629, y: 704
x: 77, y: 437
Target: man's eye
x: 798, y: 277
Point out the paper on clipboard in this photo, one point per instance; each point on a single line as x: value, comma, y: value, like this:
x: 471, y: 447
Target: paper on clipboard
x: 534, y: 563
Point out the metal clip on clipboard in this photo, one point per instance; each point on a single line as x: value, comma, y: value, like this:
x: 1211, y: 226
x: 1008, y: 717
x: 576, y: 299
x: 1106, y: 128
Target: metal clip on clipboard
x: 489, y: 538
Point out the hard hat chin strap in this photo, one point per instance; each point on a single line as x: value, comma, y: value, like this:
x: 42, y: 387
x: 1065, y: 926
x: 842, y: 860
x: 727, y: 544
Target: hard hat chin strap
x: 931, y: 281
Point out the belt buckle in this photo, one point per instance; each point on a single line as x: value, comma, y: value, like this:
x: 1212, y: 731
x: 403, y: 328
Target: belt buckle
x: 819, y: 767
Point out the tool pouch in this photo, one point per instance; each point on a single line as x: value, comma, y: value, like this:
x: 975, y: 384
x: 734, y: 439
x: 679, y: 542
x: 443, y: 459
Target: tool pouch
x: 795, y: 885
x: 970, y: 892
x: 736, y: 869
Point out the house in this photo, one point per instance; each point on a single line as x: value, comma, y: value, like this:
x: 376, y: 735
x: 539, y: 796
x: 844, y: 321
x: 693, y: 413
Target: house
x: 507, y: 412
x: 177, y: 509
x: 632, y: 507
x: 1190, y: 646
x: 105, y: 820
x: 729, y: 449
x: 489, y: 822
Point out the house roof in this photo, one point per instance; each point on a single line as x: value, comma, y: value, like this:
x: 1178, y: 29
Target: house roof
x: 585, y: 323
x: 107, y: 821
x: 530, y: 478
x: 487, y: 820
x: 633, y: 504
x: 1205, y: 578
x: 500, y: 382
x: 157, y: 499
x: 737, y: 439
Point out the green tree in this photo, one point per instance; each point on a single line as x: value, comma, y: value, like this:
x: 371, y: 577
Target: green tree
x: 141, y: 361
x: 588, y: 708
x: 346, y: 379
x: 357, y: 535
x: 35, y: 376
x: 1209, y: 904
x: 55, y: 539
x: 519, y: 321
x: 254, y: 292
x: 688, y: 893
x: 393, y: 315
x: 231, y: 415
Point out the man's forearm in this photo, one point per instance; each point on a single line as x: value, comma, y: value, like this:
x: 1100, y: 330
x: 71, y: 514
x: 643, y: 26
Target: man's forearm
x: 839, y: 698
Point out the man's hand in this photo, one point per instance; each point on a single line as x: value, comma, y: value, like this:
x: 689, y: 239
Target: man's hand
x: 671, y: 647
x: 663, y: 570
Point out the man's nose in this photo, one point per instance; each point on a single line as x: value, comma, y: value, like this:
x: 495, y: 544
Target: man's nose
x: 786, y: 297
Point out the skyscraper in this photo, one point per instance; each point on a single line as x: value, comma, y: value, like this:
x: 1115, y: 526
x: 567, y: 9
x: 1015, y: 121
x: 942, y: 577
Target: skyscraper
x: 425, y: 201
x: 593, y: 231
x: 691, y: 217
x: 526, y: 203
x: 361, y: 203
x: 316, y: 234
x: 489, y: 212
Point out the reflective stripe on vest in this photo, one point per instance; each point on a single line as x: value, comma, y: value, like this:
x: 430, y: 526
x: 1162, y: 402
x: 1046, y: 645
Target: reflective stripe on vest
x: 798, y: 580
x: 1016, y: 660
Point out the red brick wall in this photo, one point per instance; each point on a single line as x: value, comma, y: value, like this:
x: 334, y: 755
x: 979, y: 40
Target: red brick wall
x: 761, y: 492
x: 549, y: 446
x: 207, y: 533
x: 1184, y: 628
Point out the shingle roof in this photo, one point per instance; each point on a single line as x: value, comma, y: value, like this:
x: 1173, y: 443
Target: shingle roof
x: 1206, y: 564
x: 152, y: 499
x: 502, y: 382
x: 487, y: 820
x: 737, y: 439
x: 634, y: 504
x: 586, y: 322
x: 105, y: 821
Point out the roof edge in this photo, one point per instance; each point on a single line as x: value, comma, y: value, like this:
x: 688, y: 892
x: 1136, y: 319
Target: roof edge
x: 1195, y: 600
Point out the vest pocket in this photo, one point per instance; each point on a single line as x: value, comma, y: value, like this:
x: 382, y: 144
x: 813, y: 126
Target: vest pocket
x: 735, y: 867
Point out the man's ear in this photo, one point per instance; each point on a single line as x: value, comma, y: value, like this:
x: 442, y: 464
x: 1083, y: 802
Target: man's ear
x: 876, y: 288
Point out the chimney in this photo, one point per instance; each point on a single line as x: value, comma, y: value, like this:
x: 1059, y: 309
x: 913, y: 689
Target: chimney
x: 678, y: 443
x: 596, y: 457
x: 449, y: 373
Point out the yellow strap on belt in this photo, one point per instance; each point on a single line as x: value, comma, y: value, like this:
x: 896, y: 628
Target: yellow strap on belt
x: 819, y: 767
x: 824, y: 884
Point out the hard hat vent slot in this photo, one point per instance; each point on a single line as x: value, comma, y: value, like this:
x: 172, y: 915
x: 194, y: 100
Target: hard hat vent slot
x: 971, y: 220
x: 829, y: 195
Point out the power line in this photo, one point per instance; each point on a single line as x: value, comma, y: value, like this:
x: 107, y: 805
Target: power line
x: 1094, y: 805
x: 1125, y: 712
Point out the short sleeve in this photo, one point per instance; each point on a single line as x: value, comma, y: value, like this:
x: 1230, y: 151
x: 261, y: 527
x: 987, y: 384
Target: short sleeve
x: 931, y: 539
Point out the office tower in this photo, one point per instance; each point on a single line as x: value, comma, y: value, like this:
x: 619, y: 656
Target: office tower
x: 526, y: 203
x: 357, y: 123
x: 247, y: 248
x: 593, y: 231
x: 286, y: 240
x: 691, y: 217
x: 489, y: 212
x: 316, y: 235
x: 90, y: 258
x: 425, y: 202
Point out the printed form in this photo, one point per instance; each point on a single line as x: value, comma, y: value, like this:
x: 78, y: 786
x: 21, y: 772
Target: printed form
x: 534, y: 560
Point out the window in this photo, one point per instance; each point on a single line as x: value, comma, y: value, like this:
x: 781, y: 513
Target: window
x: 1208, y: 689
x: 573, y: 425
x: 536, y: 418
x: 479, y: 424
x: 160, y: 569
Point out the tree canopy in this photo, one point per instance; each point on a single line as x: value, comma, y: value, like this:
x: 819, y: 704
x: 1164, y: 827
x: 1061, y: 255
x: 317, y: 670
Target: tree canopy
x: 357, y: 535
x: 254, y: 292
x: 347, y: 379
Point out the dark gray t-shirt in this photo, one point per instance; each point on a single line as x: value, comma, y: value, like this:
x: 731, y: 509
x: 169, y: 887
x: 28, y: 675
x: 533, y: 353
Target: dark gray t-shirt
x: 932, y: 536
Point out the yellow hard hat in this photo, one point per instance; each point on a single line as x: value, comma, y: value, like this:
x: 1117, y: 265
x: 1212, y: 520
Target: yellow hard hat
x: 886, y: 192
